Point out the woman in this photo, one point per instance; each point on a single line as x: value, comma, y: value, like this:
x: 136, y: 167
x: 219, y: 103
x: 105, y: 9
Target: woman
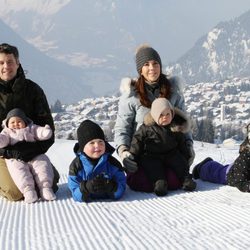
x: 135, y: 101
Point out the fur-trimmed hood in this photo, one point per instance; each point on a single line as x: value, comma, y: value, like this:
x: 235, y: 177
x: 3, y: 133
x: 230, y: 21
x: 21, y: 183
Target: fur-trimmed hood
x: 126, y: 86
x: 177, y: 84
x: 180, y: 123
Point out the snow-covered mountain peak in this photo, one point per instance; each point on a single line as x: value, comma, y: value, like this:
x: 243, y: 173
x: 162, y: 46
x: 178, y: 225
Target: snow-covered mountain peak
x: 44, y: 7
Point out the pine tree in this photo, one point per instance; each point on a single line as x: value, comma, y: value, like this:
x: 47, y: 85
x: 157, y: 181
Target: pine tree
x: 57, y: 107
x: 204, y: 131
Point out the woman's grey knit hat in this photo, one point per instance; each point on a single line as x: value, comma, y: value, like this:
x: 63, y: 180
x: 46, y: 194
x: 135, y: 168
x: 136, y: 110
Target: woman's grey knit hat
x: 144, y: 54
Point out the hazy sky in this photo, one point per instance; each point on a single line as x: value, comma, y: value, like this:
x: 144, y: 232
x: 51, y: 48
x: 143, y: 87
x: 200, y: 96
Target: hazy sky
x: 194, y: 18
x: 183, y: 23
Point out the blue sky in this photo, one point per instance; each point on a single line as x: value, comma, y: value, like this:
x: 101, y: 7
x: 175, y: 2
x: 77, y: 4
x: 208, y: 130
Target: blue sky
x: 189, y: 20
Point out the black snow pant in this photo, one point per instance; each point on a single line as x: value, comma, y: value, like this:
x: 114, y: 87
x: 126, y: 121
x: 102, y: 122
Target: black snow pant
x: 155, y: 167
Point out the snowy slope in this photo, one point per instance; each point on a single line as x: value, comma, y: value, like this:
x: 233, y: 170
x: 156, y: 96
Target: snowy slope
x: 213, y: 217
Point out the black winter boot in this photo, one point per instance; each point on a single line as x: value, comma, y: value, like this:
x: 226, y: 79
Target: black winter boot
x: 196, y: 169
x: 161, y: 188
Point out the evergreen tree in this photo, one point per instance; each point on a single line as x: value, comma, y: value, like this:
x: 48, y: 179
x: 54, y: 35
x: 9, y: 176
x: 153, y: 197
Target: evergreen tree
x: 57, y: 107
x: 205, y: 130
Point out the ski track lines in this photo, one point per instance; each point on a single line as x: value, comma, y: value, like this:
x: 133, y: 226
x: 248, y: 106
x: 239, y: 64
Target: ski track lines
x: 215, y: 217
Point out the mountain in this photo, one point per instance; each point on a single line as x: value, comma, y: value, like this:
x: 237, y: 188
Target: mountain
x: 58, y: 80
x: 99, y: 37
x: 223, y: 53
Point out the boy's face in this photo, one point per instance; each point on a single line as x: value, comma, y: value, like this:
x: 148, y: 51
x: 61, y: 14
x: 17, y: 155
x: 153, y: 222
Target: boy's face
x: 165, y: 117
x: 8, y: 66
x: 95, y: 148
x: 16, y: 122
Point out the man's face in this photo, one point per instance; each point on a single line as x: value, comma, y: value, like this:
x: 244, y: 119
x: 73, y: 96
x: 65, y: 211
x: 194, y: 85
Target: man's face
x: 8, y: 66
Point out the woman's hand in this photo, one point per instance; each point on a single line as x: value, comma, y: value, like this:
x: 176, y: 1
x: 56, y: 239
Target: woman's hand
x: 129, y: 162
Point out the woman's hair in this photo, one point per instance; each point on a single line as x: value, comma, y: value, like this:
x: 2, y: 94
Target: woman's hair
x: 165, y: 89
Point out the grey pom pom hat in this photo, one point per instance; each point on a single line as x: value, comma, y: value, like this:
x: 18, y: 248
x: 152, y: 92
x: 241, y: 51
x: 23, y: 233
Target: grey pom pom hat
x: 145, y: 54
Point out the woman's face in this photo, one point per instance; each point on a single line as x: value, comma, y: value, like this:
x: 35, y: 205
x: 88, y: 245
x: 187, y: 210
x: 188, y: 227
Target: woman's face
x: 151, y: 71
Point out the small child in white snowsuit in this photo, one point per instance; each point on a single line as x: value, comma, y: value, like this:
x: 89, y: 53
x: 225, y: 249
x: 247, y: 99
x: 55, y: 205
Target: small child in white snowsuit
x: 17, y: 127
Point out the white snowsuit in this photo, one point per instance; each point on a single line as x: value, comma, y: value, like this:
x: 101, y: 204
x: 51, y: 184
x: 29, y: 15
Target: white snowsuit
x: 39, y: 169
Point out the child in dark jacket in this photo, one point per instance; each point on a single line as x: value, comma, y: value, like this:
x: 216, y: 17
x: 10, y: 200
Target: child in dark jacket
x: 159, y: 144
x: 236, y: 174
x: 95, y: 173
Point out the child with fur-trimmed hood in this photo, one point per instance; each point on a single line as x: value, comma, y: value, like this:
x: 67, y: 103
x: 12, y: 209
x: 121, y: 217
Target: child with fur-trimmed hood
x: 159, y: 144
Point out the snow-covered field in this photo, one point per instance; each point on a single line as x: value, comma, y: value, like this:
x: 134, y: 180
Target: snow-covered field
x: 213, y: 217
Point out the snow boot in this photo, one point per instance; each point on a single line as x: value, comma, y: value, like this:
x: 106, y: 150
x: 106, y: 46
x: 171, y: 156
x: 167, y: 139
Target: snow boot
x: 30, y: 196
x: 196, y: 169
x: 161, y: 188
x: 47, y: 194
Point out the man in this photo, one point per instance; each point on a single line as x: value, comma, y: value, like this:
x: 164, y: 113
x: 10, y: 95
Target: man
x: 18, y: 92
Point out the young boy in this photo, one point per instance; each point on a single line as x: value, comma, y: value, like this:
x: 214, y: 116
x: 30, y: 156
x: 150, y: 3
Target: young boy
x: 159, y: 144
x: 17, y: 127
x: 236, y: 174
x: 95, y: 173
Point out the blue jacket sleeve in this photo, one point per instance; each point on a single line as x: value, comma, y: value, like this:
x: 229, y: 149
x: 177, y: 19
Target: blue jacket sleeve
x: 116, y: 172
x: 121, y: 184
x: 74, y: 181
x: 74, y: 186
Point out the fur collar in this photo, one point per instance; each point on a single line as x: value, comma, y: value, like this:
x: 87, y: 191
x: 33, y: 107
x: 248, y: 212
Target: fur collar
x: 177, y: 84
x: 180, y: 123
x: 125, y: 86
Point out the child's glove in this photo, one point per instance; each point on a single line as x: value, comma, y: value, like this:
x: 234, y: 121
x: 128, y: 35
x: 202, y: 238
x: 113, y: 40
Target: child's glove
x: 46, y: 131
x: 191, y: 152
x: 189, y: 184
x: 94, y: 186
x: 110, y: 186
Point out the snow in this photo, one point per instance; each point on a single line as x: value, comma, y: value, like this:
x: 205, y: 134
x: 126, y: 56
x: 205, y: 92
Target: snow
x: 213, y: 217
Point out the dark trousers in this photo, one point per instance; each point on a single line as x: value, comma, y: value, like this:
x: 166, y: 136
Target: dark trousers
x: 155, y: 168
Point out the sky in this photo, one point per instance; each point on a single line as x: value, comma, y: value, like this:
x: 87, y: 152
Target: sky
x: 189, y: 20
x: 212, y: 217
